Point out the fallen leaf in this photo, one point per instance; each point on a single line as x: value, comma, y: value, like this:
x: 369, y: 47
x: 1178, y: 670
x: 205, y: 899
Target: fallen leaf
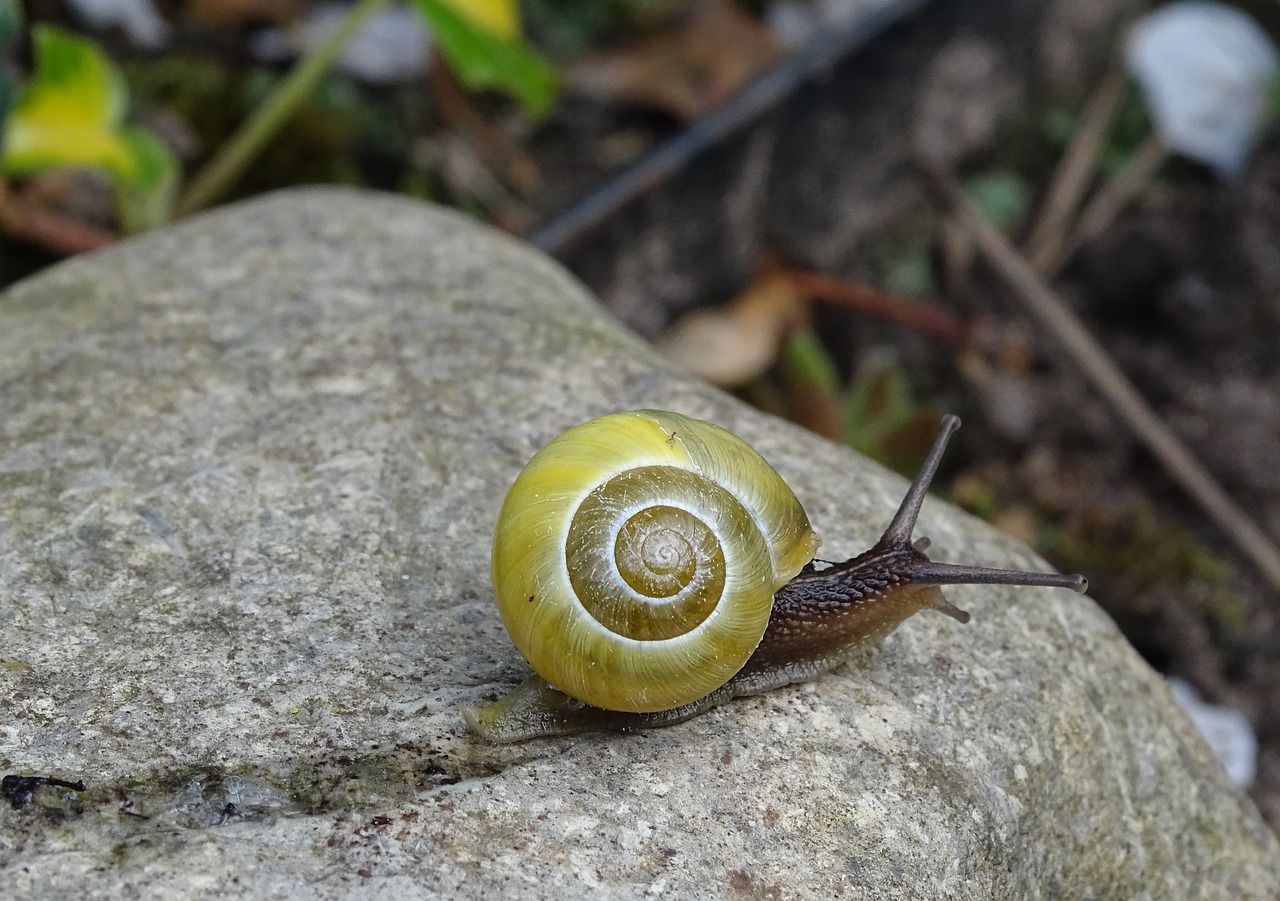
x: 733, y: 344
x: 697, y: 63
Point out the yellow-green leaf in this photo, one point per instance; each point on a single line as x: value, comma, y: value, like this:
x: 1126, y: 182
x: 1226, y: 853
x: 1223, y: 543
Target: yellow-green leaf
x: 480, y: 58
x: 500, y: 17
x: 145, y: 199
x: 884, y: 420
x: 812, y: 382
x: 69, y: 113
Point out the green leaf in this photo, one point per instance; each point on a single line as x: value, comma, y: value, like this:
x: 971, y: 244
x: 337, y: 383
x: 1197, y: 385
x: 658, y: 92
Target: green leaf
x: 145, y: 199
x: 500, y: 17
x: 808, y: 362
x: 812, y: 384
x: 10, y: 24
x: 883, y: 420
x: 71, y: 113
x: 1003, y: 196
x: 482, y: 59
x: 879, y: 401
x: 911, y: 272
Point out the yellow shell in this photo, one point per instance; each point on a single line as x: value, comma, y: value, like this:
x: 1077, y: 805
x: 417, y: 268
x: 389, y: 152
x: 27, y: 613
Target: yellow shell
x: 636, y: 558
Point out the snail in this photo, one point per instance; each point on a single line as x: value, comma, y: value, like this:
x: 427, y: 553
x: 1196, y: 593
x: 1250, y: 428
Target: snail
x: 650, y: 566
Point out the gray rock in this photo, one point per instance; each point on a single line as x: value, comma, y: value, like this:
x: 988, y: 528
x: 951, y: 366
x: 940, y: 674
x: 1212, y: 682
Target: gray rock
x: 250, y: 466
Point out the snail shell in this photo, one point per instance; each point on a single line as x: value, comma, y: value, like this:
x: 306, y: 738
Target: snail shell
x: 636, y: 558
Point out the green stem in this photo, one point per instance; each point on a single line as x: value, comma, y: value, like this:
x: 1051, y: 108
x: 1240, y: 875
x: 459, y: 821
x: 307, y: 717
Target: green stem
x: 229, y: 163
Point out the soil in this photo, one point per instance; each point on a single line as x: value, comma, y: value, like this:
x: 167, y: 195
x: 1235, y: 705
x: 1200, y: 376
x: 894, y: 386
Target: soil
x: 1183, y: 290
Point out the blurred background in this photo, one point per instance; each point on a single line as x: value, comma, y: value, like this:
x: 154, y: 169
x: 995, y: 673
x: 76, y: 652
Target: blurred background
x: 1057, y: 218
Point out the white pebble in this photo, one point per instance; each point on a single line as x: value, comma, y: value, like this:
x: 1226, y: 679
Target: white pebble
x: 1206, y: 70
x: 393, y: 46
x: 138, y: 19
x: 1227, y: 731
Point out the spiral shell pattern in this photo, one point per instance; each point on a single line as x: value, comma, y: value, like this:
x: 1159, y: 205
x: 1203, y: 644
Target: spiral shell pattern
x: 636, y: 558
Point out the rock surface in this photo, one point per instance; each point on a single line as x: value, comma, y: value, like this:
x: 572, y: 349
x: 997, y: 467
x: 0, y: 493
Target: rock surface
x: 249, y: 469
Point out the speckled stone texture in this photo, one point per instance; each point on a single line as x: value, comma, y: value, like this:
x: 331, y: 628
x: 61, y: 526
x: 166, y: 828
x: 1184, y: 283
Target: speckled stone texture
x: 249, y: 469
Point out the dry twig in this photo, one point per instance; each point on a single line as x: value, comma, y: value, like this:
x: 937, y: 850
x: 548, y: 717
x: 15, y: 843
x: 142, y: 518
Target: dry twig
x: 1098, y: 367
x: 1070, y: 181
x: 23, y: 218
x: 1112, y: 198
x: 921, y: 317
x: 515, y: 168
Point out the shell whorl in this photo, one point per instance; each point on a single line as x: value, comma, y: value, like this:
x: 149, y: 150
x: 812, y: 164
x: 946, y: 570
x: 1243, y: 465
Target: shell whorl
x: 636, y: 558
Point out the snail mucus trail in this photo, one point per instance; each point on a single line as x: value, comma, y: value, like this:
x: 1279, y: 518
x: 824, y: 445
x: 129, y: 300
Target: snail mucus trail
x: 817, y: 618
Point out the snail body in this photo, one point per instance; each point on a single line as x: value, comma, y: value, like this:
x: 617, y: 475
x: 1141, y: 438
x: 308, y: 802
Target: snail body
x: 649, y: 566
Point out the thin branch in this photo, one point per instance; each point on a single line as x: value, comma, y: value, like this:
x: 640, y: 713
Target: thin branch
x: 1075, y: 171
x: 23, y: 218
x: 60, y: 234
x: 233, y: 157
x: 1113, y: 197
x: 921, y: 317
x: 1041, y: 301
x: 509, y: 163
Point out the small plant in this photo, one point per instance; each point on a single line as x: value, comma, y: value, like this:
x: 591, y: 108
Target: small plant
x: 72, y: 110
x: 482, y: 43
x: 479, y: 39
x: 71, y: 113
